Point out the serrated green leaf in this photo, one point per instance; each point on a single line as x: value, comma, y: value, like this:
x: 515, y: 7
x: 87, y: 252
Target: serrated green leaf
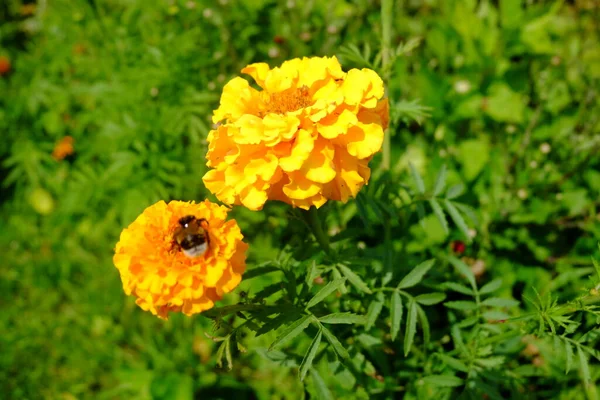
x: 462, y: 269
x: 220, y: 351
x: 491, y: 362
x: 416, y: 275
x: 417, y: 178
x: 312, y: 274
x: 498, y: 302
x: 457, y: 287
x: 439, y: 213
x: 421, y: 214
x: 228, y: 354
x: 596, y: 265
x: 335, y: 343
x: 411, y: 326
x: 443, y: 380
x: 322, y: 391
x: 310, y: 356
x: 325, y: 291
x: 584, y: 366
x: 455, y: 190
x: 291, y: 331
x: 335, y: 274
x: 453, y: 362
x: 373, y: 312
x: 396, y: 313
x: 424, y: 325
x: 429, y: 299
x: 458, y: 219
x: 254, y: 272
x: 440, y: 181
x: 465, y: 323
x: 343, y: 318
x: 495, y: 315
x: 354, y: 279
x: 569, y: 356
x: 461, y: 305
x: 491, y: 286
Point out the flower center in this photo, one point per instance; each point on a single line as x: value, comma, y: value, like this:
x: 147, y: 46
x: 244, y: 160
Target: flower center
x: 287, y: 101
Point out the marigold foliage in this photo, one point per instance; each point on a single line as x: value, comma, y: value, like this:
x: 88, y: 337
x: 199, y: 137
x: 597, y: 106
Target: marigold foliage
x: 305, y: 138
x: 163, y: 279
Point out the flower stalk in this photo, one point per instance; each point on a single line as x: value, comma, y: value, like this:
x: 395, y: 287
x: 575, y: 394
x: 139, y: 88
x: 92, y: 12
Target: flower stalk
x: 311, y: 216
x: 386, y: 49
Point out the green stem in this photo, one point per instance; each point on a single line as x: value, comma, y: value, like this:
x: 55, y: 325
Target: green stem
x: 314, y: 222
x: 386, y: 49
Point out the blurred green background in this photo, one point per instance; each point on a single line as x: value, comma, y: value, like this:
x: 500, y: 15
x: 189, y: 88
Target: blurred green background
x: 513, y: 94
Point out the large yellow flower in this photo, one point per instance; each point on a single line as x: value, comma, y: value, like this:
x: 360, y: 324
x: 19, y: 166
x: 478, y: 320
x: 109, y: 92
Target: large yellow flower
x: 154, y: 268
x: 305, y: 138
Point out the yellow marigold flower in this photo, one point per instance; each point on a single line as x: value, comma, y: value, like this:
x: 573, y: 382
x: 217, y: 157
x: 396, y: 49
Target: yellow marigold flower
x: 154, y: 268
x: 305, y: 138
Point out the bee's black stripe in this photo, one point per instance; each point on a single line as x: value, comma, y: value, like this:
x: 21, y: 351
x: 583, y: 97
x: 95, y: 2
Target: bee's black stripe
x: 191, y: 241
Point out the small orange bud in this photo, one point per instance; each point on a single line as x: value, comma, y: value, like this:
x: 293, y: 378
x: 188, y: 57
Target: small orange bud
x: 5, y: 66
x: 63, y: 148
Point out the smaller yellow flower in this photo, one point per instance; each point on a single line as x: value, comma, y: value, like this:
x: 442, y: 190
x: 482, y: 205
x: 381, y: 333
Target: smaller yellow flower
x: 154, y: 267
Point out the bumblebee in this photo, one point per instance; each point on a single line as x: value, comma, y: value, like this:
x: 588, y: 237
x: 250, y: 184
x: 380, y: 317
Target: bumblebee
x: 191, y: 236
